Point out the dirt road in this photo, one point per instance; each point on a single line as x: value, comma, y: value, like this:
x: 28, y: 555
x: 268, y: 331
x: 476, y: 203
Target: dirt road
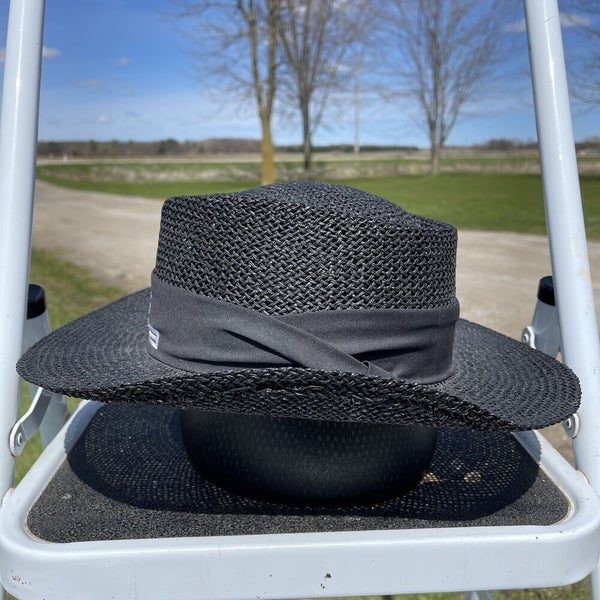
x: 116, y: 236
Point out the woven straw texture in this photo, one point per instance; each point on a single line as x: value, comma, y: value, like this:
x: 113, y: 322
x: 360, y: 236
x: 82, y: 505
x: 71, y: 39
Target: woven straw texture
x: 300, y: 247
x: 306, y: 246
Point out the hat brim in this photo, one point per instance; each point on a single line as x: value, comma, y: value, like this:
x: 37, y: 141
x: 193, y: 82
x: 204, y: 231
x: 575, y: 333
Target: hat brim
x: 497, y: 384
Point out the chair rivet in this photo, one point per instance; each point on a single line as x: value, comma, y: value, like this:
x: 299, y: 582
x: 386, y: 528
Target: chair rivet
x: 571, y: 426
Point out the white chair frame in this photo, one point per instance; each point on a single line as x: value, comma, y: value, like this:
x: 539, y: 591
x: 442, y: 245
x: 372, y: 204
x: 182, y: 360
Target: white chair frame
x: 310, y: 564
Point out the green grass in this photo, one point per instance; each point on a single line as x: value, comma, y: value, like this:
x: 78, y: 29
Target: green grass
x: 480, y: 201
x: 579, y: 591
x: 499, y: 202
x: 161, y: 190
x: 117, y: 172
x: 483, y: 200
x: 71, y: 291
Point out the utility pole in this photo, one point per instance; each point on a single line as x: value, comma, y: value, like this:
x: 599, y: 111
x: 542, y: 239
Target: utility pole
x: 357, y: 108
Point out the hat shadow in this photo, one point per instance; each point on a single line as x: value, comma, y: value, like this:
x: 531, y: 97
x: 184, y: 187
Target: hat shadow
x: 135, y: 455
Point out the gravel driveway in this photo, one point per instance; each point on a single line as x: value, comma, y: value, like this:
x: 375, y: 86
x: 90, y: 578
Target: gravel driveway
x: 116, y: 236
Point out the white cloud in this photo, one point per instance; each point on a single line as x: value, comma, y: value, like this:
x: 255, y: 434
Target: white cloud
x: 123, y: 60
x: 50, y: 52
x: 103, y: 119
x: 88, y: 83
x: 567, y: 21
x: 46, y: 53
x: 515, y: 27
x: 572, y: 20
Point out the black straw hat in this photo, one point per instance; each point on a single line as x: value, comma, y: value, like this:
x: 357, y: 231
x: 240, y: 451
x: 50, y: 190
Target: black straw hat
x: 304, y: 300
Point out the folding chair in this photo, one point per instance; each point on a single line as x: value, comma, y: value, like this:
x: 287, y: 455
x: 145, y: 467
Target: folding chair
x: 513, y: 545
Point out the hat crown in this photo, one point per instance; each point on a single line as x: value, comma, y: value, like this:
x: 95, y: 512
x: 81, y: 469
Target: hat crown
x: 305, y: 246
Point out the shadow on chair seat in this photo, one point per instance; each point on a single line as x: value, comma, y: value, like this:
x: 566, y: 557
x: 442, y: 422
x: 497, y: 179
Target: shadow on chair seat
x: 128, y: 476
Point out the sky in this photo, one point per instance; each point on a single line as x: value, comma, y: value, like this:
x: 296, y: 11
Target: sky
x: 122, y: 69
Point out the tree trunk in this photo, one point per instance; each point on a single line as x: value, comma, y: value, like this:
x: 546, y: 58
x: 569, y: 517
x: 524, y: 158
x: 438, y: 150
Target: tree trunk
x: 436, y: 151
x: 306, y: 141
x: 268, y: 153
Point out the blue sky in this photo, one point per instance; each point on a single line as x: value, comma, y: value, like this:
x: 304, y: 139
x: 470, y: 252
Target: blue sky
x: 120, y: 69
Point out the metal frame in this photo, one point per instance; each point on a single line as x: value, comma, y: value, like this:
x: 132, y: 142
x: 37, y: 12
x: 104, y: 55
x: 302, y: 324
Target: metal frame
x: 323, y: 564
x: 566, y: 231
x: 18, y: 139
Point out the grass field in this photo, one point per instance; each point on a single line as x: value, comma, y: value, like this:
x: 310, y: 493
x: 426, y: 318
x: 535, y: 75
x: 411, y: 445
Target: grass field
x: 484, y: 197
x: 500, y: 202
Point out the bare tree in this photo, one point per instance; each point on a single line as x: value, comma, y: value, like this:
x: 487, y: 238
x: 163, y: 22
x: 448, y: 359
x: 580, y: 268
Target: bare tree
x: 584, y: 67
x: 237, y: 47
x: 317, y: 38
x: 443, y: 52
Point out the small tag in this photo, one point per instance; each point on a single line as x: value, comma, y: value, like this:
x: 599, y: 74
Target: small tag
x: 153, y: 336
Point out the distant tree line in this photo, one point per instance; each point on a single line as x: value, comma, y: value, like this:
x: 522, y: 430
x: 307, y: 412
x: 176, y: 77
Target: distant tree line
x: 167, y: 147
x: 171, y: 147
x: 507, y: 145
x: 504, y: 145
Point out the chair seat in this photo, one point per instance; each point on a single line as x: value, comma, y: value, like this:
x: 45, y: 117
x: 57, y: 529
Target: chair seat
x: 116, y: 500
x: 128, y: 476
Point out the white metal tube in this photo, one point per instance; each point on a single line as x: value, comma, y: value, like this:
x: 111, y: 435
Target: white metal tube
x: 18, y: 138
x: 564, y: 216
